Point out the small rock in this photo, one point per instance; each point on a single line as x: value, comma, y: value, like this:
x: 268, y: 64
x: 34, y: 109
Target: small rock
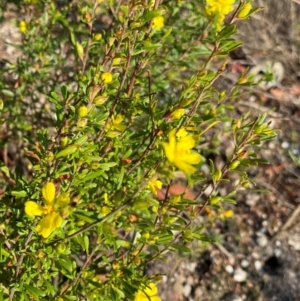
x: 239, y: 275
x: 257, y: 265
x: 190, y: 266
x: 285, y: 145
x: 245, y: 263
x: 294, y: 242
x: 186, y: 290
x: 190, y: 280
x: 229, y: 269
x: 261, y: 239
x: 277, y: 252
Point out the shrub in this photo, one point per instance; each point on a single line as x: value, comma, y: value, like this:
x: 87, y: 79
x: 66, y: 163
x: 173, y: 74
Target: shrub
x: 108, y: 101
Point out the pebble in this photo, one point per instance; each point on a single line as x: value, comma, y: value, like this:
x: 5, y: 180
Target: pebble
x: 257, y: 265
x: 190, y: 266
x: 186, y: 290
x: 255, y: 255
x: 245, y: 263
x: 272, y: 145
x: 285, y: 145
x: 261, y: 239
x: 190, y: 280
x: 277, y: 252
x: 294, y: 242
x: 239, y: 275
x: 229, y: 269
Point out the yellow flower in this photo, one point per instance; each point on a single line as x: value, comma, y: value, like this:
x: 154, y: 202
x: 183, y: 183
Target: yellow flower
x: 148, y: 294
x: 52, y: 216
x: 219, y: 8
x: 228, y: 213
x: 116, y: 61
x: 158, y: 22
x: 97, y: 37
x: 177, y: 114
x: 107, y: 77
x: 23, y: 26
x: 178, y: 152
x: 115, y: 126
x: 154, y: 184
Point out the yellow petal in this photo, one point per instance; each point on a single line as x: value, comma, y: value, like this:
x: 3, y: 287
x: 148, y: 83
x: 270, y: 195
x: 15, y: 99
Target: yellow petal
x: 120, y: 127
x: 186, y: 143
x: 191, y: 158
x: 158, y: 22
x: 63, y: 200
x: 33, y: 209
x: 49, y: 224
x: 151, y: 290
x: 185, y: 167
x: 228, y: 213
x: 181, y: 133
x: 48, y: 192
x: 177, y: 114
x: 170, y: 147
x: 154, y: 184
x: 118, y: 119
x: 155, y: 298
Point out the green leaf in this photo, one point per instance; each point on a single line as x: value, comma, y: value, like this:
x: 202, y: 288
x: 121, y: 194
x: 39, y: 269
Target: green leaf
x: 228, y: 31
x: 67, y: 151
x: 230, y: 201
x: 148, y: 45
x: 165, y: 238
x: 3, y: 252
x: 121, y: 176
x: 86, y: 216
x: 86, y: 243
x: 55, y: 99
x: 150, y: 15
x: 35, y: 292
x: 92, y: 175
x: 8, y: 92
x: 181, y: 248
x: 19, y: 194
x: 64, y: 92
x: 107, y: 166
x: 82, y: 140
x: 65, y: 263
x: 5, y: 170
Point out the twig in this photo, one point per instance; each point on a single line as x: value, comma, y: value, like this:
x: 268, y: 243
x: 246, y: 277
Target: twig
x: 296, y: 1
x: 260, y: 108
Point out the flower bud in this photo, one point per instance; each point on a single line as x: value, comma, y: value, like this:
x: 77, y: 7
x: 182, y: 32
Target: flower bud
x: 82, y: 111
x: 243, y: 13
x: 63, y: 141
x: 97, y: 37
x: 82, y: 122
x: 61, y: 248
x: 215, y: 200
x: 233, y: 165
